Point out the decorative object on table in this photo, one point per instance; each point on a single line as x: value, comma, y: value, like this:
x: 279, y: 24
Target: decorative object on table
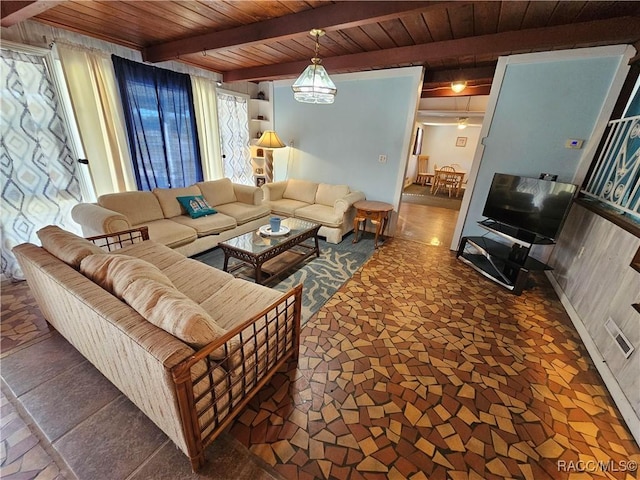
x: 461, y: 142
x: 260, y: 117
x: 269, y: 231
x: 260, y: 180
x: 269, y: 140
x: 260, y: 95
x: 259, y: 171
x: 259, y: 152
x: 314, y: 85
x: 274, y: 223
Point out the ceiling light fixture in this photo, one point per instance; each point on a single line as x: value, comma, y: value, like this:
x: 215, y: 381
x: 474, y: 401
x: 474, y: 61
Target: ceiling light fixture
x: 458, y: 86
x: 314, y: 85
x: 462, y: 123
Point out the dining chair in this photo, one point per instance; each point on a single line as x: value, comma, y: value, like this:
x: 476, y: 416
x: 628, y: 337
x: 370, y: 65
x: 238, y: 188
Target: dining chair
x: 463, y: 180
x: 423, y: 177
x: 444, y: 178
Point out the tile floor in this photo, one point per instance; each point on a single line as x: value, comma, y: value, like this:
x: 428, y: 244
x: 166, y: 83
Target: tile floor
x: 417, y: 368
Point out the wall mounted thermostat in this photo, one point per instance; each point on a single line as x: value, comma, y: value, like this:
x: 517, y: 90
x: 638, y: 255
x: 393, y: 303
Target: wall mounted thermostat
x: 573, y: 143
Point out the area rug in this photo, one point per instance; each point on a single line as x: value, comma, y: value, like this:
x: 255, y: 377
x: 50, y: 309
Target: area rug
x: 321, y: 276
x: 422, y: 196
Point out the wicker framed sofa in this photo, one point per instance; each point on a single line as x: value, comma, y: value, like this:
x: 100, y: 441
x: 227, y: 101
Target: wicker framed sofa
x: 239, y: 210
x: 188, y: 344
x: 329, y: 205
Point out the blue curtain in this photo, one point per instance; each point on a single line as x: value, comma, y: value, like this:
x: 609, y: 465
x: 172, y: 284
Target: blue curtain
x: 160, y: 119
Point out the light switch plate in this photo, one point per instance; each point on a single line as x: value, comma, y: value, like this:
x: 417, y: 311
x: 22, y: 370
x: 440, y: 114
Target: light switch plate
x: 574, y: 143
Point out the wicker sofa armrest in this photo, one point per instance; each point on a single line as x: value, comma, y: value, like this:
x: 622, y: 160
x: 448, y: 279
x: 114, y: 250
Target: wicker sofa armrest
x: 274, y: 190
x: 97, y: 220
x: 210, y: 398
x: 117, y: 240
x: 248, y: 194
x: 343, y: 204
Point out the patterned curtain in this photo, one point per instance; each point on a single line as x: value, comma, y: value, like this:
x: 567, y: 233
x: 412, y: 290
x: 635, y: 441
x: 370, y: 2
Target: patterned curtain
x: 39, y: 183
x: 233, y: 120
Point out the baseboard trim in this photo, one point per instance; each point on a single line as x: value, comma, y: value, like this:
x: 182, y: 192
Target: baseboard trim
x: 628, y: 413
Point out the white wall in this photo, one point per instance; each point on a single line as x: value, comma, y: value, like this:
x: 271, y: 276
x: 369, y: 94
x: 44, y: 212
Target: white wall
x: 439, y: 143
x: 373, y: 115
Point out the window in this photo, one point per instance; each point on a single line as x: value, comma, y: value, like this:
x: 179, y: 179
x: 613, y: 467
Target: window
x: 160, y: 119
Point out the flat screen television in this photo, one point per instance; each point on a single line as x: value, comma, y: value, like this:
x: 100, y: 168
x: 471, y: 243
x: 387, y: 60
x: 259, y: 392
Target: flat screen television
x: 530, y: 204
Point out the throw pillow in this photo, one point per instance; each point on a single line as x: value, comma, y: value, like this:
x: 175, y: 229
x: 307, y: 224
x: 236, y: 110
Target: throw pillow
x: 174, y: 312
x: 66, y: 246
x: 115, y: 272
x: 196, y: 206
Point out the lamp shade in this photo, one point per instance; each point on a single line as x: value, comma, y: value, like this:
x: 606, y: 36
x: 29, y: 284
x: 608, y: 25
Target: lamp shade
x: 314, y: 85
x: 270, y: 139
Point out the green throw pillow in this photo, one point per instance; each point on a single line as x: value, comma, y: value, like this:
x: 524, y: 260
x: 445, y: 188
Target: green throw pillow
x: 196, y: 206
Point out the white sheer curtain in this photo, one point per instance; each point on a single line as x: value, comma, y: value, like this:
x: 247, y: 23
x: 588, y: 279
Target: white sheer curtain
x: 206, y: 108
x: 96, y: 103
x: 38, y: 168
x: 233, y: 118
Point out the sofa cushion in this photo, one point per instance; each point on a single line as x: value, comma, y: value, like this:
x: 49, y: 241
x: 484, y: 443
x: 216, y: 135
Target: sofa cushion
x: 218, y: 192
x: 207, y: 225
x: 196, y: 206
x: 138, y: 207
x: 170, y: 233
x: 237, y: 301
x: 67, y: 246
x: 286, y: 206
x: 116, y: 272
x: 328, y: 194
x: 321, y: 214
x: 155, y: 253
x: 168, y: 199
x: 195, y: 279
x: 301, y: 190
x: 174, y: 312
x: 244, y: 212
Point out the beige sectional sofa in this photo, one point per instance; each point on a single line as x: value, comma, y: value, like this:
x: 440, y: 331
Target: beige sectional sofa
x: 329, y: 205
x: 240, y: 210
x: 185, y: 342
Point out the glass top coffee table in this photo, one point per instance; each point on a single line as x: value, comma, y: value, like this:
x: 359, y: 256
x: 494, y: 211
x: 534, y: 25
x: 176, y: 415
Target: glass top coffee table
x: 270, y: 255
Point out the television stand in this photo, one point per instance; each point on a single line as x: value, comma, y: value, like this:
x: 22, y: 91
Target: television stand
x: 507, y: 265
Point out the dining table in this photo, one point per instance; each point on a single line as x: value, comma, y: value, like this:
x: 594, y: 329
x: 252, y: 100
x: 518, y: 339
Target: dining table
x: 457, y: 173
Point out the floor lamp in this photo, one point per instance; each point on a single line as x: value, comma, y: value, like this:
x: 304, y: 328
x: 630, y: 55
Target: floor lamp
x: 269, y: 140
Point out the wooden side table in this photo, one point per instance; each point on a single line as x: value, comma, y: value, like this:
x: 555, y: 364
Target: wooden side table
x: 377, y: 212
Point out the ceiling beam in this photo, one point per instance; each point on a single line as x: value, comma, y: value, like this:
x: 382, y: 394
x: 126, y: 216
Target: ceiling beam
x: 12, y: 13
x: 467, y: 74
x: 610, y: 31
x: 470, y: 90
x: 331, y: 17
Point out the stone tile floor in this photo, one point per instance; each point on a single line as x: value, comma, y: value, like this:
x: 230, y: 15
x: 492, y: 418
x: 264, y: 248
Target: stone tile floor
x: 417, y: 368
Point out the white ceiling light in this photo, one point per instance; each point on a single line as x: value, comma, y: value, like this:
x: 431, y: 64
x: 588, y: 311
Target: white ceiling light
x: 314, y: 85
x: 458, y: 86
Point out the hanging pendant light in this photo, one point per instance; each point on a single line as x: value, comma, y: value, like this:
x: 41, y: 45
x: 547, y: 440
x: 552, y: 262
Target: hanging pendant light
x: 314, y: 84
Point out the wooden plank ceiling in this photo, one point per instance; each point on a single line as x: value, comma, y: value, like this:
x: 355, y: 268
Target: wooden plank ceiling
x: 266, y: 40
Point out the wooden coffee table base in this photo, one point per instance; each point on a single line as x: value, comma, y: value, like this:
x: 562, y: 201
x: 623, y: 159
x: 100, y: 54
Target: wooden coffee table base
x: 276, y: 260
